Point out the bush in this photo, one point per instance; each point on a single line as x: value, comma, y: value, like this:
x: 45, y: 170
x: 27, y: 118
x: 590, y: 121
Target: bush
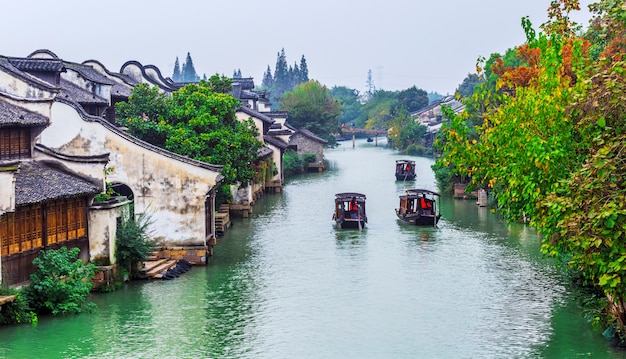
x: 16, y: 311
x: 61, y: 282
x: 133, y: 242
x: 292, y: 163
x: 309, y: 158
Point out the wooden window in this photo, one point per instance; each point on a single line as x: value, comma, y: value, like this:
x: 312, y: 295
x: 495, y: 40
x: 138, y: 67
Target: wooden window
x: 6, y: 232
x: 66, y: 220
x: 15, y: 143
x: 23, y: 229
x: 81, y: 217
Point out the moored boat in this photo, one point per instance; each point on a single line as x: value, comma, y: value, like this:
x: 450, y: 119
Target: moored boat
x: 419, y: 207
x: 350, y: 210
x: 405, y: 170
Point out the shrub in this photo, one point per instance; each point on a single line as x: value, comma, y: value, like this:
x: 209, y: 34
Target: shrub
x: 61, y: 282
x: 292, y: 163
x: 16, y: 311
x: 133, y: 242
x: 309, y: 158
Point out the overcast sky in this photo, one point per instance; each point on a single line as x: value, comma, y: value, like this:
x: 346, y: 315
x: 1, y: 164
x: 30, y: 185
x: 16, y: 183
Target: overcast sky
x: 432, y: 45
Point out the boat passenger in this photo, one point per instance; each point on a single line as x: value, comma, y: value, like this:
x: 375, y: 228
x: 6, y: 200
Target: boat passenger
x: 354, y: 206
x: 426, y: 205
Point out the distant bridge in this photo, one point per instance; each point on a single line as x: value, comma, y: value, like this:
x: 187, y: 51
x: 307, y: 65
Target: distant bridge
x: 354, y: 130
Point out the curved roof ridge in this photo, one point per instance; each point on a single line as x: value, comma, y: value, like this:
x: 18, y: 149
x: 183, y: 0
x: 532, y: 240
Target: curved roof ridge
x: 43, y: 51
x: 142, y: 68
x: 125, y: 78
x: 103, y: 158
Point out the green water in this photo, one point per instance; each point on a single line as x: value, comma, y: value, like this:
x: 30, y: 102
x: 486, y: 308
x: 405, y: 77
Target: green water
x: 286, y: 283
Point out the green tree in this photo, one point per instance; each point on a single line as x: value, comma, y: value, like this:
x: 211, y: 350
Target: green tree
x: 406, y: 132
x: 176, y: 76
x: 466, y: 88
x: 412, y: 99
x: 281, y: 83
x: 310, y: 105
x: 188, y: 72
x: 378, y: 111
x: 198, y: 122
x: 145, y: 114
x: 583, y: 220
x: 350, y: 105
x: 304, y: 71
x: 268, y: 80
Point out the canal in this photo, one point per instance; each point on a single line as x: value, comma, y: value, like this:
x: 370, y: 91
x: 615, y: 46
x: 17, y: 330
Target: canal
x: 286, y: 283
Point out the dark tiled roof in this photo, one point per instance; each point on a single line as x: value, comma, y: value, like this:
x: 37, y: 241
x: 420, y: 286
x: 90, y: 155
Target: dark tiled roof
x: 31, y: 79
x: 280, y: 132
x: 80, y: 95
x: 11, y: 115
x: 121, y: 91
x: 275, y: 141
x: 33, y: 64
x: 311, y: 135
x: 245, y: 83
x: 90, y: 74
x: 264, y: 152
x: 255, y: 114
x: 37, y: 183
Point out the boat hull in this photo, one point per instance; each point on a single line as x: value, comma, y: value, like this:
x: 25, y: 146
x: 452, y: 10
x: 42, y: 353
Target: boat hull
x: 350, y: 224
x: 417, y: 219
x: 405, y: 177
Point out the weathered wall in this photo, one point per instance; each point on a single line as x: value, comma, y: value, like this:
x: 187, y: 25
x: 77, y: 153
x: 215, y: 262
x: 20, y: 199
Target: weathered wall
x: 103, y: 229
x: 172, y: 191
x: 24, y: 88
x: 307, y: 145
x: 7, y: 190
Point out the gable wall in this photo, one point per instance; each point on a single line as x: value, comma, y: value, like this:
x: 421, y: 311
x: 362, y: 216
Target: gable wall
x: 306, y: 145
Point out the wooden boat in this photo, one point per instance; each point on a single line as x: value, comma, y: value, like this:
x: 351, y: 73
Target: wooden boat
x: 405, y: 170
x: 350, y: 210
x: 419, y: 207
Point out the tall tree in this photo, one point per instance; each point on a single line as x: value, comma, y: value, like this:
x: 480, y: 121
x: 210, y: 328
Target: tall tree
x: 268, y: 80
x: 311, y: 106
x: 350, y: 105
x: 199, y: 122
x: 281, y: 78
x: 304, y: 71
x: 176, y: 76
x: 189, y: 71
x: 412, y: 99
x: 466, y: 88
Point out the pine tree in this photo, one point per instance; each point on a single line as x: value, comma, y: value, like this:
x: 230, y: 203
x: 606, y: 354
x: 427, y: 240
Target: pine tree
x: 295, y: 76
x: 268, y: 80
x: 176, y: 76
x: 189, y: 72
x: 281, y: 78
x: 304, y: 70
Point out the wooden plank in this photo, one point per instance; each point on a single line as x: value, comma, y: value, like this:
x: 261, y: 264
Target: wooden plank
x: 158, y: 270
x: 148, y: 265
x: 7, y: 299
